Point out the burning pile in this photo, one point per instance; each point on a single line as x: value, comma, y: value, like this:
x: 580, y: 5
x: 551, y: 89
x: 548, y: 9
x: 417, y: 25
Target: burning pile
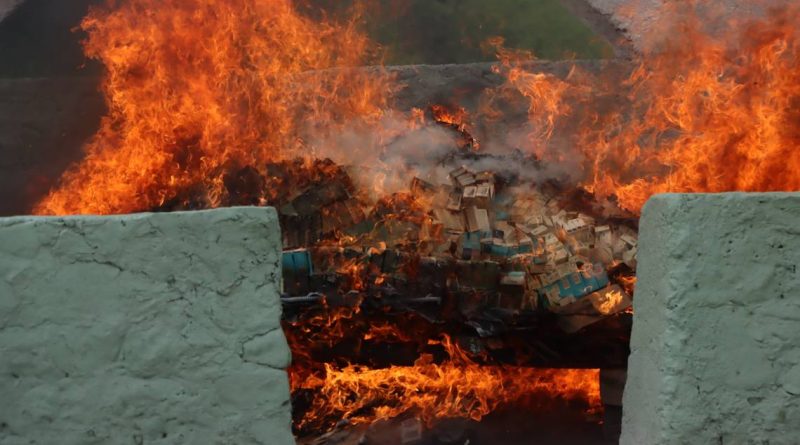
x: 474, y: 258
x: 417, y: 256
x: 484, y: 240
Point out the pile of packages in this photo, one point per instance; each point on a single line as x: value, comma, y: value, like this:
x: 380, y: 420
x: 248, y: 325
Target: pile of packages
x: 474, y: 243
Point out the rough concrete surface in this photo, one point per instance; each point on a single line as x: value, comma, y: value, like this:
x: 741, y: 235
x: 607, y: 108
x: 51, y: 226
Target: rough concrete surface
x: 715, y: 348
x: 142, y: 329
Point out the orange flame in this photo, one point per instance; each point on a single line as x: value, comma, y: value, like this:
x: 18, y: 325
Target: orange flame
x: 193, y: 86
x: 458, y: 119
x: 716, y: 117
x: 546, y: 95
x: 608, y: 302
x: 198, y: 88
x: 457, y: 388
x: 702, y: 113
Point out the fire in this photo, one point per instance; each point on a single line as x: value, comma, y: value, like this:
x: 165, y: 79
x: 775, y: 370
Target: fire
x: 456, y: 385
x: 608, y: 301
x: 628, y: 283
x: 546, y: 96
x: 458, y: 118
x: 226, y: 102
x: 195, y: 87
x: 456, y: 388
x: 717, y: 117
x: 702, y: 112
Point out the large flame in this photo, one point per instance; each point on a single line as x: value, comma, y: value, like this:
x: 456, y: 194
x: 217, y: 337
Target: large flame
x: 199, y: 88
x: 703, y: 111
x: 194, y: 86
x: 717, y: 114
x: 457, y: 388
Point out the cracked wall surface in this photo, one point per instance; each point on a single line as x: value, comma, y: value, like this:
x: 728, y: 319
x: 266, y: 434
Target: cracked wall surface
x: 715, y: 348
x: 141, y: 329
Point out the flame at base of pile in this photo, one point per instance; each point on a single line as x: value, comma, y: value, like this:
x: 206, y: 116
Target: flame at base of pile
x: 457, y: 387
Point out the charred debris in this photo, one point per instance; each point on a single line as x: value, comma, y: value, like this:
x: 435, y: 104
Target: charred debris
x: 537, y: 277
x: 520, y: 272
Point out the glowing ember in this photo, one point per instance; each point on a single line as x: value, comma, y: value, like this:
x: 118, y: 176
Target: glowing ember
x: 608, y: 302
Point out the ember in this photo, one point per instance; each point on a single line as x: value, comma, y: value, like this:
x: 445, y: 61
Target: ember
x: 425, y: 272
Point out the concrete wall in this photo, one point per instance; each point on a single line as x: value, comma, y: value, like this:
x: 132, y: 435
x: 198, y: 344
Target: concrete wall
x: 141, y: 329
x: 715, y: 349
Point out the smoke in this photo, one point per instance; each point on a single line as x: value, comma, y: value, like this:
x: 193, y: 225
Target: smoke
x: 384, y: 157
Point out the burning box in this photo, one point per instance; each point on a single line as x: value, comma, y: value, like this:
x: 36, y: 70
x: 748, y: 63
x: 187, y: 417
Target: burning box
x: 499, y: 249
x: 538, y: 230
x: 602, y: 236
x: 625, y: 246
x: 629, y: 240
x: 458, y: 172
x: 385, y: 262
x: 579, y: 229
x: 454, y: 202
x: 514, y: 283
x: 592, y: 308
x: 559, y: 255
x: 421, y: 188
x: 485, y: 177
x: 468, y: 196
x: 301, y: 230
x: 629, y: 257
x: 461, y: 177
x: 342, y: 215
x: 313, y: 199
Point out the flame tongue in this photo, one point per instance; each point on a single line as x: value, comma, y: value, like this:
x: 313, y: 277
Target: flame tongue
x: 192, y: 85
x: 456, y: 388
x: 717, y: 118
x: 701, y: 112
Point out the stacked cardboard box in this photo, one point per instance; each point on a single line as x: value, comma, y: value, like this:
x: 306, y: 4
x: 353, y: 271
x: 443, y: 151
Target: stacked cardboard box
x: 515, y: 249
